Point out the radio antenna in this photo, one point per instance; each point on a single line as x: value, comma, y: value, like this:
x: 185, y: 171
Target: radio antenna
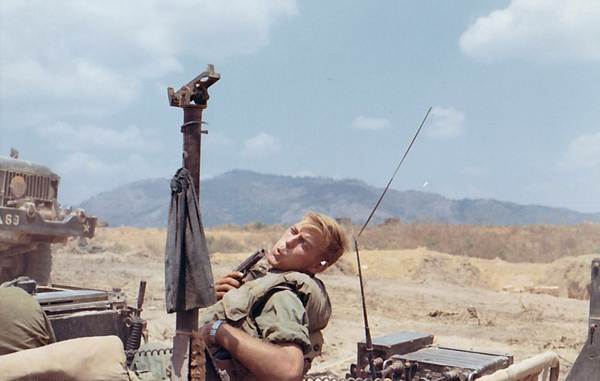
x: 369, y: 341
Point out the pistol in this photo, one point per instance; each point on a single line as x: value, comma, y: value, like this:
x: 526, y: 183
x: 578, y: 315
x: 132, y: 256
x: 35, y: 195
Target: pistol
x: 245, y: 266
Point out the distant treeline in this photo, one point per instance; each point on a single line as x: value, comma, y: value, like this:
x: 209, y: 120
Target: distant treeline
x: 533, y: 243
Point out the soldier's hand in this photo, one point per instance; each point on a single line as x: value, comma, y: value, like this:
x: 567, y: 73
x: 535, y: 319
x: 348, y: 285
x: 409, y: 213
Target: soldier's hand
x: 228, y: 282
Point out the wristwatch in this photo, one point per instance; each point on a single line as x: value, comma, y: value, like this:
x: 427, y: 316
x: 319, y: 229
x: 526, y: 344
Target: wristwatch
x: 213, y: 331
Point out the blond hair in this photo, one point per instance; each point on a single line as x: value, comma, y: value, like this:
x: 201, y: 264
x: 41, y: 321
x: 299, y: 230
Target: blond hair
x: 336, y: 239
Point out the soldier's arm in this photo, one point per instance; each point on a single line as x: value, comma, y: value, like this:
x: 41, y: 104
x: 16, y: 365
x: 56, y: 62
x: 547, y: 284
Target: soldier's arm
x: 281, y: 361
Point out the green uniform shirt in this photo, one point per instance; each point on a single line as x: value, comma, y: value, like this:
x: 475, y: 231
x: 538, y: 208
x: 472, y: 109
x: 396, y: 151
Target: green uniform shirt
x: 23, y: 323
x: 284, y: 319
x: 276, y: 306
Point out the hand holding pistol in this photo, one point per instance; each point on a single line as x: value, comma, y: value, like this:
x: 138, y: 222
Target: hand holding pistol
x: 234, y: 279
x: 245, y: 266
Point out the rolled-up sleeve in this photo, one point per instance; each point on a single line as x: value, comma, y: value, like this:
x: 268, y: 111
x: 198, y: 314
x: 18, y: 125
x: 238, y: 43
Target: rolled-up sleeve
x: 284, y: 320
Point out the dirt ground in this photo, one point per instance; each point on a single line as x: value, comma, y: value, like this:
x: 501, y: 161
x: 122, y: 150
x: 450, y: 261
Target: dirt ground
x: 459, y: 300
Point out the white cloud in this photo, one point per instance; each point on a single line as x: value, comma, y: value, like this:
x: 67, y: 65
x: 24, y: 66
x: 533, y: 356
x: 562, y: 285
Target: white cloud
x: 88, y: 137
x: 78, y: 83
x: 555, y: 30
x: 373, y: 124
x: 262, y: 144
x: 100, y: 175
x: 102, y: 51
x: 446, y: 123
x: 583, y: 152
x: 79, y: 162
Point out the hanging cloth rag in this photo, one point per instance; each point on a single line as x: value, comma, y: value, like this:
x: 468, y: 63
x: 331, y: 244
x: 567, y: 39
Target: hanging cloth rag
x: 189, y: 281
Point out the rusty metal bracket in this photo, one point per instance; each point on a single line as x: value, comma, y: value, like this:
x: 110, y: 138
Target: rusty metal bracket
x: 195, y: 91
x: 193, y: 98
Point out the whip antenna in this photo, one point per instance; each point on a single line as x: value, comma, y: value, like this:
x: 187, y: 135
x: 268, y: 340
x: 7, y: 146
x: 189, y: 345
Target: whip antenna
x: 394, y: 175
x: 369, y: 341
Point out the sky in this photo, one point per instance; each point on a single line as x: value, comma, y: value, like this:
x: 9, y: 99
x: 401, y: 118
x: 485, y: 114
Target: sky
x: 332, y: 89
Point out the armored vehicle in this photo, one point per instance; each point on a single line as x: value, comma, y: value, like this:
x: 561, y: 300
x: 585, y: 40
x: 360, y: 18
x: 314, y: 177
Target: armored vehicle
x: 31, y: 219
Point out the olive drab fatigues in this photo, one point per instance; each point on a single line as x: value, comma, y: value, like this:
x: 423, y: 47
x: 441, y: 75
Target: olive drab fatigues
x: 23, y: 323
x: 277, y: 307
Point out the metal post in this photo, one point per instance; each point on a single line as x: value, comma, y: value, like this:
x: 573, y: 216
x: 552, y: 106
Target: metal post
x: 192, y: 142
x: 193, y: 99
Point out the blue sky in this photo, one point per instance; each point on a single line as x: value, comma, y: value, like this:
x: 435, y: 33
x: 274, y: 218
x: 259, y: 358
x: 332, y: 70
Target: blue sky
x: 312, y: 88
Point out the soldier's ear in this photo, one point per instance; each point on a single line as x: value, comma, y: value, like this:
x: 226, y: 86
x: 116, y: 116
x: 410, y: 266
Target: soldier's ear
x: 319, y: 266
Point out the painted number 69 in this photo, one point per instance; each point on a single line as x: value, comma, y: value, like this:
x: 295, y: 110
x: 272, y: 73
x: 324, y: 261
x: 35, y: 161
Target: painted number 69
x: 10, y: 219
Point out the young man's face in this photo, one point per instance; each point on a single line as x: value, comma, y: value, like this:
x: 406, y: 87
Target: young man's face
x: 298, y: 249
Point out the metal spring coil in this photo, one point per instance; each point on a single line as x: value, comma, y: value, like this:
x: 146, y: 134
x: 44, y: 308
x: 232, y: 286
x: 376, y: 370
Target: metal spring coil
x: 151, y: 352
x: 133, y: 341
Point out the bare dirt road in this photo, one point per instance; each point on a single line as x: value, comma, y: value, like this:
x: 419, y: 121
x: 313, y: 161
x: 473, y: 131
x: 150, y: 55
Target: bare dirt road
x: 457, y: 299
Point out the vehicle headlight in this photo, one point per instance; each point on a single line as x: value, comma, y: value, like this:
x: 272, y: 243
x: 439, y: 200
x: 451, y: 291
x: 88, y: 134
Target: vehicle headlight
x: 17, y: 187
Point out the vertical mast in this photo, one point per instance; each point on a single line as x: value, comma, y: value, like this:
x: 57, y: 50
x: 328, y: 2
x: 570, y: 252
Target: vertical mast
x: 193, y: 98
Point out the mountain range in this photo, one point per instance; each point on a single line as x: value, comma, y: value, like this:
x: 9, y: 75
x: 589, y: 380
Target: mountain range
x: 241, y: 197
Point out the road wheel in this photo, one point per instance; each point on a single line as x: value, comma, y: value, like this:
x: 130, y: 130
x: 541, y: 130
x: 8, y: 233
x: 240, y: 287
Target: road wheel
x: 39, y: 264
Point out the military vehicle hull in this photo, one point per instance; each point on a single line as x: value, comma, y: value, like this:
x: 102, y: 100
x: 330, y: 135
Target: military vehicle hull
x: 31, y: 219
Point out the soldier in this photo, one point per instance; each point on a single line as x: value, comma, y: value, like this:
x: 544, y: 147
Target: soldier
x: 267, y: 325
x: 23, y: 323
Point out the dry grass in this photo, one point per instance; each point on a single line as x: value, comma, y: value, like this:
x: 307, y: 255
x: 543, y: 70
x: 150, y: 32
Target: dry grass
x: 568, y: 249
x: 516, y: 244
x: 531, y: 244
x: 235, y: 239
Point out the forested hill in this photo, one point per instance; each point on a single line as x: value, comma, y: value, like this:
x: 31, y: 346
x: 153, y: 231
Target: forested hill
x: 242, y: 197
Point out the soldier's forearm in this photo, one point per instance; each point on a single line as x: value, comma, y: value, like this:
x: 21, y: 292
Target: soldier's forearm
x: 265, y: 360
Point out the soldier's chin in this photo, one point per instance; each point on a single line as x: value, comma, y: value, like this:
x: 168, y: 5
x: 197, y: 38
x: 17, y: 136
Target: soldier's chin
x: 272, y: 259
